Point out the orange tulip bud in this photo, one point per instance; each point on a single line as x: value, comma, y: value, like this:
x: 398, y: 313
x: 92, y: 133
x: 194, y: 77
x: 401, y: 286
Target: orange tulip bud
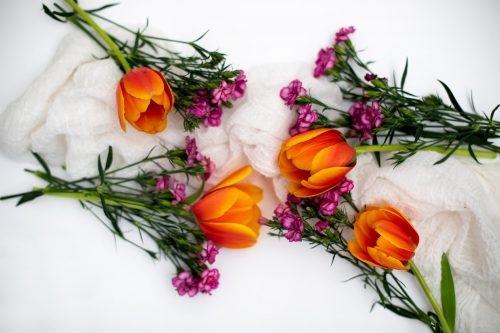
x: 228, y: 213
x: 315, y: 161
x: 144, y: 98
x: 384, y: 238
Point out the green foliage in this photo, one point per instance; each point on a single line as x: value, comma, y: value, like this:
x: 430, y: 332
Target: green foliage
x: 448, y: 301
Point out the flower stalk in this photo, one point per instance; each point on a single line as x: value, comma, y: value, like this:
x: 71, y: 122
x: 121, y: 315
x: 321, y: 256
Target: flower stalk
x: 112, y: 45
x: 430, y: 297
x: 442, y: 150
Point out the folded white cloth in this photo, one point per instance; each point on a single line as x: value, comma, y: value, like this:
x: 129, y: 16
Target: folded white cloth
x: 68, y: 115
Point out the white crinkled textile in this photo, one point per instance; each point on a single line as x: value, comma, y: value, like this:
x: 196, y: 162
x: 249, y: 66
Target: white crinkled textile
x: 68, y: 115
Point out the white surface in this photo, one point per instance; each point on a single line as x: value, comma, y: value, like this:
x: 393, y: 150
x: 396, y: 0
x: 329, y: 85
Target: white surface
x: 61, y: 270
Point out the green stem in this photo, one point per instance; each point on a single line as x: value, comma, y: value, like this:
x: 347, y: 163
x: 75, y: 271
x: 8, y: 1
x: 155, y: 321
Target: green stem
x: 430, y: 297
x: 86, y: 17
x: 441, y: 150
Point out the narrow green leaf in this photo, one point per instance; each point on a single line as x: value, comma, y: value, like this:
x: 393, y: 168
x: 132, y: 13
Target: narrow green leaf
x: 193, y: 197
x: 472, y: 154
x: 447, y: 292
x: 47, y: 11
x: 405, y: 72
x: 109, y: 159
x: 99, y: 168
x: 493, y: 111
x: 42, y: 163
x: 454, y: 101
x: 377, y: 153
x: 29, y: 196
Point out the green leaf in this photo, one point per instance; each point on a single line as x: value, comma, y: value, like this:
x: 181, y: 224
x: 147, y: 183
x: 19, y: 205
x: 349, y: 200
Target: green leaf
x: 100, y: 169
x: 193, y: 197
x: 454, y: 101
x: 405, y: 72
x: 29, y: 196
x: 447, y: 292
x: 109, y: 159
x: 47, y: 11
x: 42, y: 163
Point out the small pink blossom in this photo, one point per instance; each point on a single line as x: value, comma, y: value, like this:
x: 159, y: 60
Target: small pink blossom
x: 221, y: 93
x: 178, y: 191
x: 209, y: 167
x: 262, y: 220
x: 209, y: 280
x: 209, y: 253
x: 193, y: 155
x: 281, y: 209
x: 370, y: 76
x: 292, y: 199
x: 294, y: 224
x: 292, y: 92
x: 213, y: 118
x: 185, y: 283
x: 365, y: 118
x: 328, y: 207
x: 239, y: 86
x: 345, y: 186
x: 320, y: 226
x: 326, y: 60
x: 162, y: 183
x: 306, y: 118
x: 343, y: 34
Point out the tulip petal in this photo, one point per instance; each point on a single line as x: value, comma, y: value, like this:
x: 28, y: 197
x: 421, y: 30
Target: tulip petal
x: 394, y: 234
x: 303, y: 192
x: 153, y: 120
x: 323, y: 140
x: 121, y: 107
x: 305, y: 136
x: 365, y: 235
x: 359, y: 253
x: 288, y: 170
x: 215, y: 204
x: 328, y: 177
x: 253, y: 191
x: 132, y: 113
x: 393, y: 251
x: 340, y: 154
x: 404, y: 222
x: 233, y: 178
x: 143, y: 83
x: 386, y: 261
x: 168, y: 94
x: 231, y: 235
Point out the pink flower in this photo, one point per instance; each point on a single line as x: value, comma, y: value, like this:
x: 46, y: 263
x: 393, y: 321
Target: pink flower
x: 213, y: 118
x: 262, y: 220
x: 370, y: 76
x: 304, y: 121
x: 328, y: 207
x: 292, y: 92
x: 294, y: 224
x: 365, y: 118
x: 178, y: 191
x: 343, y: 34
x: 221, y: 93
x: 320, y: 226
x: 292, y: 199
x: 162, y: 183
x: 209, y: 253
x: 209, y: 167
x: 326, y: 60
x: 280, y: 210
x: 185, y: 283
x: 239, y: 86
x: 209, y: 280
x: 345, y: 186
x: 193, y: 155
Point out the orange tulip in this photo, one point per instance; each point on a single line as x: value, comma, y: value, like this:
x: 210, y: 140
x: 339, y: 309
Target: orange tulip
x: 228, y: 213
x: 144, y: 98
x: 315, y: 161
x: 384, y: 238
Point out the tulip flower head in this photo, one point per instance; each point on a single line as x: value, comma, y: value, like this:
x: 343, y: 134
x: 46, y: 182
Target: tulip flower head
x: 384, y: 238
x: 228, y: 213
x: 315, y: 161
x: 144, y: 99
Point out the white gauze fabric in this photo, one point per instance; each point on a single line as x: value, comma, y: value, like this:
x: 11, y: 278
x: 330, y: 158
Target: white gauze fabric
x: 68, y: 115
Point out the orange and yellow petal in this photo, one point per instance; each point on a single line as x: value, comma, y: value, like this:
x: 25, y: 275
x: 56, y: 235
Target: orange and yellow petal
x: 384, y: 260
x: 393, y: 251
x: 232, y: 235
x: 153, y: 120
x: 329, y: 176
x: 253, y: 191
x: 121, y: 107
x: 394, y: 234
x: 233, y: 178
x: 305, y: 136
x: 143, y: 83
x: 340, y: 154
x: 359, y: 253
x: 215, y: 204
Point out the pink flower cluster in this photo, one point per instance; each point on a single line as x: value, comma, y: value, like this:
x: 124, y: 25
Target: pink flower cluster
x: 178, y: 189
x: 193, y: 156
x: 365, y: 118
x: 291, y: 222
x: 292, y: 92
x: 326, y: 60
x: 304, y: 121
x: 186, y: 283
x: 330, y: 200
x: 208, y: 105
x: 343, y: 34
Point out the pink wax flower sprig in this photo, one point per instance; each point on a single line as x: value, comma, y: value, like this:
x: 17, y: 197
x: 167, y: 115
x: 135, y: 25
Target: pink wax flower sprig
x: 384, y: 117
x: 207, y: 105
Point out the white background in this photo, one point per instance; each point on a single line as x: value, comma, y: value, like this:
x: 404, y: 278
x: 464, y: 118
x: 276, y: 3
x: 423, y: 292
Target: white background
x: 61, y: 271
